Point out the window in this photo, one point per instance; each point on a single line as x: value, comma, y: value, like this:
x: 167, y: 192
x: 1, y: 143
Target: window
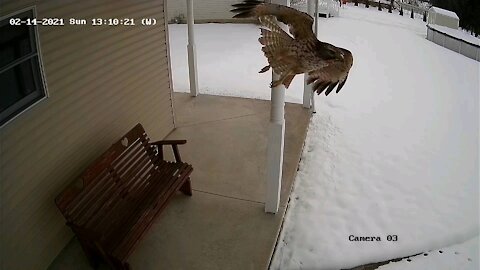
x: 21, y: 79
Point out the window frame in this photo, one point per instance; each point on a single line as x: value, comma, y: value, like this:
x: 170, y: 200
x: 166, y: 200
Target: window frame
x: 39, y: 78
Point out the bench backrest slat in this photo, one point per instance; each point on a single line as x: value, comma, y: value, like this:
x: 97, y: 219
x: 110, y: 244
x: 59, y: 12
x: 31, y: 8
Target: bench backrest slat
x: 116, y: 173
x: 80, y: 204
x: 117, y: 150
x: 123, y: 191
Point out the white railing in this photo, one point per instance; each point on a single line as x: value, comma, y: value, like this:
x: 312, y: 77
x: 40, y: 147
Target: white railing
x: 416, y: 9
x: 454, y: 43
x: 335, y: 8
x: 326, y: 7
x: 323, y: 7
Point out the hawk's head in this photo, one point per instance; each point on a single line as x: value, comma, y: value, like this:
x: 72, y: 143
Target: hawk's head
x: 346, y: 57
x: 332, y: 71
x: 347, y: 63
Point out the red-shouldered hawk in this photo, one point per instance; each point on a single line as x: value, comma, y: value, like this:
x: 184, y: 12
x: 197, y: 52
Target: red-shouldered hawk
x: 301, y: 52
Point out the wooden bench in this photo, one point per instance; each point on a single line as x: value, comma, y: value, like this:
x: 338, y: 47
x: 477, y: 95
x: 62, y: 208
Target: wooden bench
x: 121, y: 194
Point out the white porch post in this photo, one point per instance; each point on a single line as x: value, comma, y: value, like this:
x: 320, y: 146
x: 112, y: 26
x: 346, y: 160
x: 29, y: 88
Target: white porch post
x: 276, y: 134
x: 315, y: 27
x: 315, y: 20
x: 307, y: 89
x: 192, y: 53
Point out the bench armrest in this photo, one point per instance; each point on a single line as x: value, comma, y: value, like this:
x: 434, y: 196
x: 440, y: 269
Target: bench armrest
x: 169, y: 142
x: 173, y: 143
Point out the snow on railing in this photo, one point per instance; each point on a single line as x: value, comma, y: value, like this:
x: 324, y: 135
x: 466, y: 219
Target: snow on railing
x: 323, y: 6
x: 335, y: 8
x: 299, y: 5
x: 416, y: 9
x: 454, y: 40
x: 327, y: 7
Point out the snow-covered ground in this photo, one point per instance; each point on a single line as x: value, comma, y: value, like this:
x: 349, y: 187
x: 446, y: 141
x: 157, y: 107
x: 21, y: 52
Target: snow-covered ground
x: 229, y: 58
x: 394, y: 153
x: 456, y: 257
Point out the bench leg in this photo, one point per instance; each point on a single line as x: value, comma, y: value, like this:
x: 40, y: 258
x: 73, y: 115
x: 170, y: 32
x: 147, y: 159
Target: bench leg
x: 187, y: 187
x: 117, y: 264
x: 123, y: 266
x: 92, y: 255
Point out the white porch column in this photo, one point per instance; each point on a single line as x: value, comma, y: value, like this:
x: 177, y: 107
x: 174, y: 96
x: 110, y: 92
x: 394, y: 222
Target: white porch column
x: 315, y: 20
x: 315, y: 27
x: 276, y: 134
x: 192, y: 53
x: 307, y: 89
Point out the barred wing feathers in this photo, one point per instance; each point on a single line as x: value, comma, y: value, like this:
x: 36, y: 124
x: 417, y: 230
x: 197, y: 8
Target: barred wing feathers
x: 300, y: 23
x: 301, y: 52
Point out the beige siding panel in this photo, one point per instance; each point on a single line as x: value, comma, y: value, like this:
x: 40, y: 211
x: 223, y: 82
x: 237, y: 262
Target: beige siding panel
x: 102, y: 80
x: 44, y: 153
x: 88, y: 99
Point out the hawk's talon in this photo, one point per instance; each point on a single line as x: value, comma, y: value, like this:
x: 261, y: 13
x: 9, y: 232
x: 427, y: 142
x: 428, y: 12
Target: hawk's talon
x: 264, y: 69
x: 275, y: 83
x: 297, y: 52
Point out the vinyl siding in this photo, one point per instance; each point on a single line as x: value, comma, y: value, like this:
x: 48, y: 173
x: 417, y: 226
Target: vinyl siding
x: 101, y: 80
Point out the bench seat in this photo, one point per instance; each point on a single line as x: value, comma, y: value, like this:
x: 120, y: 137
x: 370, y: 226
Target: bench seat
x: 122, y: 194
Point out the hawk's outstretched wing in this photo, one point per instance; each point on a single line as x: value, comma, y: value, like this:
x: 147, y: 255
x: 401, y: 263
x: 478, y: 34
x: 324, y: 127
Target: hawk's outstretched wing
x: 331, y: 75
x: 326, y: 65
x: 299, y: 23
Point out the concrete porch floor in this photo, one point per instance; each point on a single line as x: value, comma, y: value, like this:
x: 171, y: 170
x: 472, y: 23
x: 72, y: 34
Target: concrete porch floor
x: 223, y: 225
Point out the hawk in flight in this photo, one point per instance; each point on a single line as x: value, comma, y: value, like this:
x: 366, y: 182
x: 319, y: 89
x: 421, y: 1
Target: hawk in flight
x: 298, y: 52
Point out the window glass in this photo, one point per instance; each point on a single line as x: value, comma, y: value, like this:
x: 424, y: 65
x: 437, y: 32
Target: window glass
x: 14, y: 43
x: 21, y: 79
x: 19, y: 83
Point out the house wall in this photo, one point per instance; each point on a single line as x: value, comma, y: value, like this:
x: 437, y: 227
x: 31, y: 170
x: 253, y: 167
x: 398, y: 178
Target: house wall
x: 102, y: 80
x: 205, y: 10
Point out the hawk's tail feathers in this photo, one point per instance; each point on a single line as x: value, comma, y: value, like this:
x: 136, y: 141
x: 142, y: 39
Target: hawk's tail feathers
x: 275, y: 45
x: 246, y: 9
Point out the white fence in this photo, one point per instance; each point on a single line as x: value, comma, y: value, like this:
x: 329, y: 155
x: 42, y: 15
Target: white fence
x: 462, y: 46
x: 409, y: 7
x: 329, y: 8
